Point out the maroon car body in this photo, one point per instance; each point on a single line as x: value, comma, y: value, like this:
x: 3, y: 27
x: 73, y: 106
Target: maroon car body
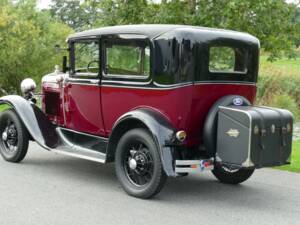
x: 95, y: 108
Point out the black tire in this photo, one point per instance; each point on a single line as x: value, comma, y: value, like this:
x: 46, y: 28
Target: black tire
x: 13, y: 144
x: 147, y: 179
x: 231, y: 176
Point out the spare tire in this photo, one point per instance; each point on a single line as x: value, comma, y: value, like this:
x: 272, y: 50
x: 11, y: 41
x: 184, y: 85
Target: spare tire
x: 211, y: 121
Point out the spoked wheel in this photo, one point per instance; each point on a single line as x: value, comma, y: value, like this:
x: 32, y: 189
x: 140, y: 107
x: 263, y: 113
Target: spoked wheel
x: 14, y: 137
x: 138, y: 164
x: 231, y: 175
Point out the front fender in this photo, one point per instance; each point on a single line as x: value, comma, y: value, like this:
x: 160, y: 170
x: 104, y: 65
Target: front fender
x: 161, y: 129
x: 36, y: 122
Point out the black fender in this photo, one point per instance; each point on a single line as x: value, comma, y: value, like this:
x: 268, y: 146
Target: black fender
x: 158, y: 125
x: 39, y: 127
x: 211, y: 121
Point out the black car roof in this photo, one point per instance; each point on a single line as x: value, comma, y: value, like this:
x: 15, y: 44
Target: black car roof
x: 152, y: 31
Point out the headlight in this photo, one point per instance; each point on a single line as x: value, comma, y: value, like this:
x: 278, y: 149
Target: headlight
x: 27, y: 85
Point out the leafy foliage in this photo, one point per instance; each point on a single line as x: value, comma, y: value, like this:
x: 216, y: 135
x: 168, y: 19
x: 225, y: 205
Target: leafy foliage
x: 27, y: 43
x: 275, y: 22
x: 27, y: 35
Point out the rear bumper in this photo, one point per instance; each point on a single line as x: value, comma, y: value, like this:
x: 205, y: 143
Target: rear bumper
x: 193, y: 166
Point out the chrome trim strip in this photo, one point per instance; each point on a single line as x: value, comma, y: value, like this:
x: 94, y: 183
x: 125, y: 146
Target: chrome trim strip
x: 224, y: 83
x: 84, y: 80
x: 125, y: 76
x: 126, y: 82
x: 146, y: 88
x: 142, y: 85
x: 173, y: 85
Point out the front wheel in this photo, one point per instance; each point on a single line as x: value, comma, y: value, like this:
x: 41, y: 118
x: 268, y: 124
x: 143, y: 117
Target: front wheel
x: 138, y: 164
x: 14, y: 137
x: 229, y: 175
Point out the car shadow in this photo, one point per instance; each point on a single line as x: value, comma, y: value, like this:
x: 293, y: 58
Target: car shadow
x: 194, y: 189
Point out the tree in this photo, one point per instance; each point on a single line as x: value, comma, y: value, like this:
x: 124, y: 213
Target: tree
x: 275, y: 22
x: 70, y: 12
x: 27, y: 43
x: 75, y: 13
x: 118, y: 12
x: 268, y: 20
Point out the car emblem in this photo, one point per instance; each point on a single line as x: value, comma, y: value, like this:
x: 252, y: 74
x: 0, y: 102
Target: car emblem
x: 237, y: 101
x: 233, y: 133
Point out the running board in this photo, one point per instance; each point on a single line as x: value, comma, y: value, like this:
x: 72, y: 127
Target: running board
x: 70, y: 149
x: 82, y: 154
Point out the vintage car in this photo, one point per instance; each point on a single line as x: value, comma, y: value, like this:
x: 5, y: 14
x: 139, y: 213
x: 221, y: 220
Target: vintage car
x: 158, y: 101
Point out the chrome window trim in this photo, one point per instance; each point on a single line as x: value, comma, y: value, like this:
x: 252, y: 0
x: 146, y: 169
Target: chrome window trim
x: 173, y: 85
x: 224, y: 83
x: 128, y: 76
x: 126, y: 82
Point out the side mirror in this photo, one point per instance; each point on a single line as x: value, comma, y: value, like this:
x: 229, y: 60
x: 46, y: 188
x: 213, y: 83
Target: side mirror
x: 65, y: 67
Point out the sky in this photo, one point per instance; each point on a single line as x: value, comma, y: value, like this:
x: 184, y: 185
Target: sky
x: 42, y: 4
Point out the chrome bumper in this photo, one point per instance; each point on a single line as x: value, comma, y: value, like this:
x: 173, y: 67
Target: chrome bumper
x: 193, y: 166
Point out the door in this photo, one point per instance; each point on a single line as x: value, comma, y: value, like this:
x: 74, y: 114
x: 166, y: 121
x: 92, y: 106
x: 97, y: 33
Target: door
x: 82, y: 88
x: 126, y: 76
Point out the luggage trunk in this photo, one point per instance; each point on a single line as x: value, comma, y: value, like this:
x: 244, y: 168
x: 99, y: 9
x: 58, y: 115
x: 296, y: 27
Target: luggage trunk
x: 251, y: 136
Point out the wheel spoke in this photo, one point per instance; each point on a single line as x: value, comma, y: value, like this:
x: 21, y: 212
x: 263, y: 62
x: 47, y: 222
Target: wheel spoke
x: 8, y: 122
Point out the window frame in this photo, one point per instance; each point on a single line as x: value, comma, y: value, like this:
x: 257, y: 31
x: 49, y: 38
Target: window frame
x: 137, y: 42
x: 86, y: 75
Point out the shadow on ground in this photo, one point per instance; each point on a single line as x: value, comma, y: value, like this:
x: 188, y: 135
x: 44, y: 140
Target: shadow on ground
x: 192, y: 190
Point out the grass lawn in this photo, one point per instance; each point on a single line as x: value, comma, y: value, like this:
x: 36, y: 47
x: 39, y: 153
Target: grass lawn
x: 295, y: 164
x: 284, y: 66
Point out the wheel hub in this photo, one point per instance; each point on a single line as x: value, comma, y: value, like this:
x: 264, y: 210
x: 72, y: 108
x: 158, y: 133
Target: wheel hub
x: 4, y: 136
x: 139, y: 165
x: 132, y: 164
x: 9, y: 138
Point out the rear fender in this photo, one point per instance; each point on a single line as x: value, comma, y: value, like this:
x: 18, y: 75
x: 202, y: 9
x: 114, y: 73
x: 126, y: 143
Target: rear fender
x: 161, y: 129
x: 36, y: 122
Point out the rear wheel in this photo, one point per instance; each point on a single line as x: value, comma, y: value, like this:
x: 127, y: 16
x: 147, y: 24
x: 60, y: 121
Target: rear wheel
x: 230, y: 175
x: 14, y: 137
x: 138, y: 164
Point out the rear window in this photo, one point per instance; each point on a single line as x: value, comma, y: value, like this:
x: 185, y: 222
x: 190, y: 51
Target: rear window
x: 227, y: 60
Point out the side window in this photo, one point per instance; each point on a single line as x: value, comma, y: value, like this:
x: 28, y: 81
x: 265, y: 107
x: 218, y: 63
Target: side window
x: 86, y: 59
x: 127, y: 59
x: 227, y: 60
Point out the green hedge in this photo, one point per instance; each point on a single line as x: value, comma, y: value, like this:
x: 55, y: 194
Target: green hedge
x: 280, y: 90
